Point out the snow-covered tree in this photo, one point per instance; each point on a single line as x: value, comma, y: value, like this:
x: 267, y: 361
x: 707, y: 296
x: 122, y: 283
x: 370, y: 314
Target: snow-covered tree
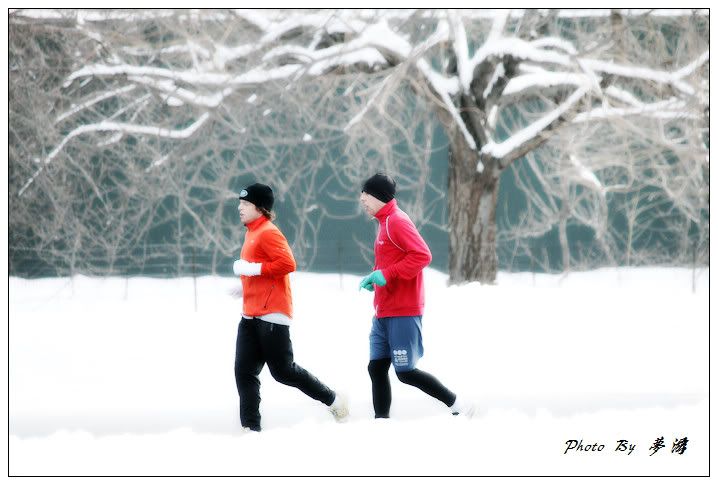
x: 583, y: 106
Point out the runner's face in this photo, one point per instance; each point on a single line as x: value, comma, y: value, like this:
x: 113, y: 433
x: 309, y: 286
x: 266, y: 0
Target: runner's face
x: 370, y: 204
x: 247, y: 211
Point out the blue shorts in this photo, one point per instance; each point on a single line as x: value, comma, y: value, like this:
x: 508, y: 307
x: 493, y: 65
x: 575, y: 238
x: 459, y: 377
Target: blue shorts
x: 398, y: 339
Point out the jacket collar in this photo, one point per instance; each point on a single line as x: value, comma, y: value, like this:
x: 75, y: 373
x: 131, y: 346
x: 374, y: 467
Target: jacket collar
x: 387, y: 210
x: 255, y: 224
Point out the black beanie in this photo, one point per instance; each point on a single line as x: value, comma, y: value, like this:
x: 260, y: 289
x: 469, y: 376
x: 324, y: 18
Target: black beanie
x: 380, y: 186
x: 258, y: 194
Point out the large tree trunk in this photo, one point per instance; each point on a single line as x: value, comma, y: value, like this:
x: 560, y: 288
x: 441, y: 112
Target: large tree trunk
x: 472, y: 217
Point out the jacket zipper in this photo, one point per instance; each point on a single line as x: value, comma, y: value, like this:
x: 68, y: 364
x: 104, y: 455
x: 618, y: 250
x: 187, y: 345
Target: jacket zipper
x: 270, y: 294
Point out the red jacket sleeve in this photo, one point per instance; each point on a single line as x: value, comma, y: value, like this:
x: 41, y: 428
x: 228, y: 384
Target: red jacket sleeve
x: 281, y: 260
x: 416, y: 252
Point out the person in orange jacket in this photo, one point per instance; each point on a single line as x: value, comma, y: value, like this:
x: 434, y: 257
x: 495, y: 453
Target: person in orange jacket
x: 263, y: 334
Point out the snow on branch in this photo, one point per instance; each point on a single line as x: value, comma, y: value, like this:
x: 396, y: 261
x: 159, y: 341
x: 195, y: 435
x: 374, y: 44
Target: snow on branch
x: 368, y: 105
x: 369, y: 47
x: 192, y: 77
x: 623, y: 95
x: 440, y: 34
x: 318, y: 20
x: 365, y: 55
x: 691, y: 67
x: 443, y: 86
x: 185, y: 95
x: 555, y: 42
x: 353, y: 52
x: 439, y: 85
x: 255, y: 76
x: 95, y: 100
x: 223, y: 55
x: 274, y: 25
x: 670, y: 109
x: 587, y: 177
x: 515, y: 141
x: 384, y: 38
x: 544, y: 79
x: 520, y: 49
x: 534, y: 52
x: 498, y: 25
x: 254, y: 17
x: 118, y: 127
x: 461, y: 51
x: 644, y: 73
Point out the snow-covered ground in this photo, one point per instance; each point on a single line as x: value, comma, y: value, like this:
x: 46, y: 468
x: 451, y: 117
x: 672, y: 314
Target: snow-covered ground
x: 124, y: 377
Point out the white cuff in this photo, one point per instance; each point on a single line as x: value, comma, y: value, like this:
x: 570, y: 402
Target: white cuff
x: 245, y: 268
x: 253, y: 269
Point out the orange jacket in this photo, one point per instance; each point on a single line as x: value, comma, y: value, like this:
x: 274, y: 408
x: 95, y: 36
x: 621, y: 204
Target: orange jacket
x: 270, y: 291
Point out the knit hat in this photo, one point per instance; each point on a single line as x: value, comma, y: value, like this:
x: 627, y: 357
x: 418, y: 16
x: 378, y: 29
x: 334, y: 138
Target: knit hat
x: 258, y: 194
x: 381, y: 186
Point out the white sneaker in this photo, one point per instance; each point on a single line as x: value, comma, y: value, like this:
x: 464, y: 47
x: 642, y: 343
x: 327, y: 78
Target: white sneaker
x: 340, y: 408
x: 464, y: 408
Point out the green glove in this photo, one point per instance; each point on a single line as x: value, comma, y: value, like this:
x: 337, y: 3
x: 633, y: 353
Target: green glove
x: 374, y: 278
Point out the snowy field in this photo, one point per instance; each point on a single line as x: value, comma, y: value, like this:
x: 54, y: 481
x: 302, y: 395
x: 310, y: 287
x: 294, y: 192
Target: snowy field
x: 124, y: 377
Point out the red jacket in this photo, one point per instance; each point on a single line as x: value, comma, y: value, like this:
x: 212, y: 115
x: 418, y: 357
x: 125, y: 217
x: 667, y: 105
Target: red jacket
x: 270, y: 291
x: 401, y: 254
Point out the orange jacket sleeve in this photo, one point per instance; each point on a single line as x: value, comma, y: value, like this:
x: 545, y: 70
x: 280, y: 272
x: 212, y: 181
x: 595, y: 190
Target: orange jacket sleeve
x: 281, y: 260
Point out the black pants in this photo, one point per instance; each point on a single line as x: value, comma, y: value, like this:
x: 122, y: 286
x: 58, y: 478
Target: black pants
x: 381, y: 387
x: 260, y: 342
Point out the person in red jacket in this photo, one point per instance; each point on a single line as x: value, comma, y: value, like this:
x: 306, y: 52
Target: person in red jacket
x: 263, y: 334
x: 398, y: 284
